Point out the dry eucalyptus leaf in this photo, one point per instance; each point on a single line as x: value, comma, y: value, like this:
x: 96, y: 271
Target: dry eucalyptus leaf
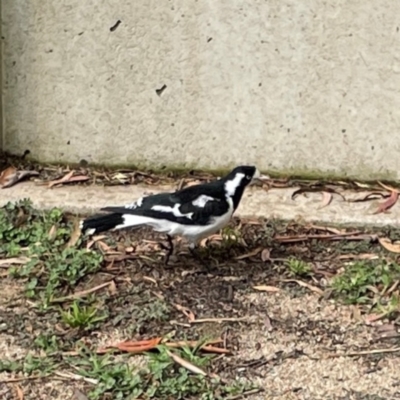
x: 388, y: 245
x: 266, y: 288
x: 10, y: 176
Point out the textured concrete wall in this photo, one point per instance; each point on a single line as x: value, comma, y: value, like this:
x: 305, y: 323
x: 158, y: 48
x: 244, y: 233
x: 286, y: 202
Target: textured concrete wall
x: 286, y: 84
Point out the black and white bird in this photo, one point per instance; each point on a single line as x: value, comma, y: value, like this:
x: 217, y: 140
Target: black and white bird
x: 194, y: 213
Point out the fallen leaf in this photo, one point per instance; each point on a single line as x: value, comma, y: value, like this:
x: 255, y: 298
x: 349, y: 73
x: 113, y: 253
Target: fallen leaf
x: 268, y: 324
x: 388, y: 245
x: 10, y: 176
x: 248, y: 255
x: 356, y: 313
x: 186, y: 311
x: 328, y: 229
x: 83, y: 293
x: 266, y: 288
x: 371, y: 318
x: 390, y: 202
x: 137, y: 346
x: 122, y: 178
x: 389, y: 188
x: 265, y: 255
x: 20, y: 393
x: 112, y: 288
x: 361, y: 185
x: 365, y: 256
x: 316, y: 189
x: 75, y: 235
x: 305, y: 284
x: 326, y: 199
x: 186, y: 364
x: 369, y: 197
x: 68, y: 178
x: 52, y: 232
x: 12, y: 261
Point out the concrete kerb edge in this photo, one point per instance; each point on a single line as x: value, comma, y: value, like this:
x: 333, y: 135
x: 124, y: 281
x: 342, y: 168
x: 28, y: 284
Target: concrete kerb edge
x: 276, y: 203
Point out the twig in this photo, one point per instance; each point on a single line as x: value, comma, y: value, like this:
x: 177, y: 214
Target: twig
x: 70, y: 375
x: 366, y: 352
x: 344, y: 236
x: 245, y: 394
x: 186, y: 364
x: 81, y: 294
x: 24, y: 378
x: 305, y: 284
x: 219, y: 320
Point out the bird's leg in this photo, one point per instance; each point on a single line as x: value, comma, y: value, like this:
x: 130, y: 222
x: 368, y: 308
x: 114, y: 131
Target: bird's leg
x: 170, y: 249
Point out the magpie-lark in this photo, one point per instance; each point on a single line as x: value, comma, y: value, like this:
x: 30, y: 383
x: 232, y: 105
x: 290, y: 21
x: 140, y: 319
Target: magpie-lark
x: 194, y: 213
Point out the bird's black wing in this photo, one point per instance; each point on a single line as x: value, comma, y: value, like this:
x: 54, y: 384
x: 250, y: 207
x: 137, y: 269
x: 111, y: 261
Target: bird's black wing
x: 187, y: 207
x: 213, y: 189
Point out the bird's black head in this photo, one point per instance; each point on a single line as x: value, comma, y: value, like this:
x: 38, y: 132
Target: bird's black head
x: 237, y: 180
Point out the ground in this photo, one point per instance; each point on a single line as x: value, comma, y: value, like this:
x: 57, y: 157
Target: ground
x: 304, y: 311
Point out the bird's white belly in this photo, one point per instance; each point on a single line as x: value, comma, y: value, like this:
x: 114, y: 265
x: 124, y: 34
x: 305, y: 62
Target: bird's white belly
x: 193, y: 233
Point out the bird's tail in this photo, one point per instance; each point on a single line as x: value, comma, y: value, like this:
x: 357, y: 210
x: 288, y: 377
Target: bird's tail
x: 100, y: 223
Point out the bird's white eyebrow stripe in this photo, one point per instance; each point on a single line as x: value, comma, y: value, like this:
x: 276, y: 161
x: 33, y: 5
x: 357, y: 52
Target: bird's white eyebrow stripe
x: 173, y: 210
x: 202, y: 200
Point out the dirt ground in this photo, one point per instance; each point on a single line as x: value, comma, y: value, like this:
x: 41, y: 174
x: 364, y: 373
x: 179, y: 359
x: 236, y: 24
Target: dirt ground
x: 291, y: 337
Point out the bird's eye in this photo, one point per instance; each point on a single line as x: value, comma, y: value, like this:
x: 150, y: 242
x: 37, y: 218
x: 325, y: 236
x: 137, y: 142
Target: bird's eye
x: 248, y: 177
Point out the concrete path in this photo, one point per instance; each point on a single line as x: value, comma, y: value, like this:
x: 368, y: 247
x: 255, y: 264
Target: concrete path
x: 256, y: 202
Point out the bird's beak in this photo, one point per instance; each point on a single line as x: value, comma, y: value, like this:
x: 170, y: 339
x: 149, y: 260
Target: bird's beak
x: 259, y: 178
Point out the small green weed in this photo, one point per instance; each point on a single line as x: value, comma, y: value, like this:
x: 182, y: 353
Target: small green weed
x: 47, y: 343
x: 30, y: 364
x: 81, y: 316
x: 354, y: 284
x: 162, y: 378
x: 298, y: 267
x: 230, y: 237
x: 42, y: 236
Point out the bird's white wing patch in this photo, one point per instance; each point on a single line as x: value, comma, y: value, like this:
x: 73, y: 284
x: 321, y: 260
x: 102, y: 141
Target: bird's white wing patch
x: 202, y: 200
x: 233, y: 184
x: 135, y: 204
x: 173, y: 210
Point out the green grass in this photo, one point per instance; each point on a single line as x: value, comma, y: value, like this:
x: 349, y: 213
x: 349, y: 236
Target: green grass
x: 161, y: 378
x: 82, y: 316
x: 53, y: 271
x: 42, y: 237
x: 298, y: 267
x: 362, y: 281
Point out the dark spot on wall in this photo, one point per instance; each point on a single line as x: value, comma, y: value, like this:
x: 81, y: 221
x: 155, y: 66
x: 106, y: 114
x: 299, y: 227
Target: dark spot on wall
x: 372, y: 147
x: 83, y: 163
x: 115, y: 26
x: 209, y: 39
x: 343, y: 130
x: 68, y: 142
x: 80, y: 33
x: 13, y: 63
x: 260, y: 84
x: 397, y: 29
x: 49, y: 51
x: 288, y: 130
x: 172, y: 124
x: 26, y: 152
x: 161, y: 90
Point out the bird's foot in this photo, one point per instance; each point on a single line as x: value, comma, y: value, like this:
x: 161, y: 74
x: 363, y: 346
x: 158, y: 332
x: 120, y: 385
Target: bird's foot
x: 192, y: 248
